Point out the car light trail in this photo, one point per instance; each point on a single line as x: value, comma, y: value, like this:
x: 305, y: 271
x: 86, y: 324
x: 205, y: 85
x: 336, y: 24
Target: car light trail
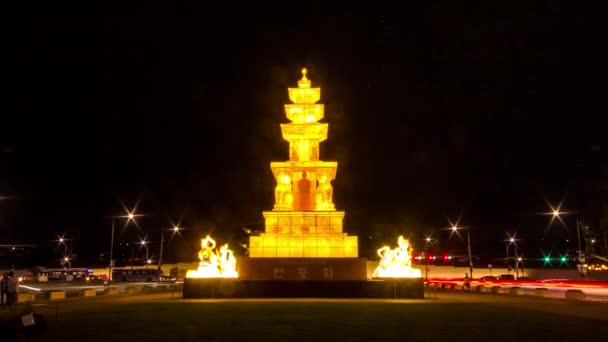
x: 30, y: 288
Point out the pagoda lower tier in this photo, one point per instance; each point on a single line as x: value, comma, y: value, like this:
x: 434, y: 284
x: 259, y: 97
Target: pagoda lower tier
x: 308, y: 234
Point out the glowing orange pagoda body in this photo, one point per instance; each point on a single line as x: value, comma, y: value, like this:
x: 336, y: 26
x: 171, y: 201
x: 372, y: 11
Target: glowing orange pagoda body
x: 304, y: 222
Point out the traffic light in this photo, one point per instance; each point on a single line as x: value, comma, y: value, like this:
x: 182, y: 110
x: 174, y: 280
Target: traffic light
x: 547, y: 258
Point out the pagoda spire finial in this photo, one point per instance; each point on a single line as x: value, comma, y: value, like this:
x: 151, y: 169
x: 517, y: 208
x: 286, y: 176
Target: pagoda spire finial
x: 304, y: 82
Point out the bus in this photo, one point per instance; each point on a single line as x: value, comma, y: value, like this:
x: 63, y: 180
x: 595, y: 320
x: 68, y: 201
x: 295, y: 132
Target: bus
x: 138, y: 274
x: 62, y: 274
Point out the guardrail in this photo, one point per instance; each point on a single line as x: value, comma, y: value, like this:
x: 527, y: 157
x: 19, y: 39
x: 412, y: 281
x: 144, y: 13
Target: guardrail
x: 58, y: 295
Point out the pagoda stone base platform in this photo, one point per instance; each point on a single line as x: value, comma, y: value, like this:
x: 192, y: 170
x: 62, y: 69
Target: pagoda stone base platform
x: 234, y: 288
x: 282, y: 269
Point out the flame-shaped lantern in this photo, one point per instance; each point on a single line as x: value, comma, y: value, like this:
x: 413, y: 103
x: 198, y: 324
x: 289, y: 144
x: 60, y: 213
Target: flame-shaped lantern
x: 214, y: 263
x: 396, y: 263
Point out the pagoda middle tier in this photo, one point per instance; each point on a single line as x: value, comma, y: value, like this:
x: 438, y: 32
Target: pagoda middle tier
x: 304, y: 221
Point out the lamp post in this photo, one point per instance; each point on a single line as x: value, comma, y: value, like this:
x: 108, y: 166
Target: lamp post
x: 516, y: 257
x: 556, y: 215
x: 175, y: 229
x: 507, y: 256
x: 63, y: 241
x: 144, y: 244
x: 427, y: 241
x: 555, y: 212
x: 426, y: 253
x: 455, y: 230
x: 130, y: 216
x: 520, y: 260
x: 512, y: 241
x: 470, y: 256
x: 111, y: 250
x: 160, y: 255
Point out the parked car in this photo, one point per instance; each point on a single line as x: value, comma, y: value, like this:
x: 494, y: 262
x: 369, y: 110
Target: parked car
x: 506, y: 277
x: 524, y: 278
x: 168, y: 279
x: 487, y: 278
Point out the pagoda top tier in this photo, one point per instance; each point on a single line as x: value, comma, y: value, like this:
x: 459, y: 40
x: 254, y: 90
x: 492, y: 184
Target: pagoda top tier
x: 304, y: 108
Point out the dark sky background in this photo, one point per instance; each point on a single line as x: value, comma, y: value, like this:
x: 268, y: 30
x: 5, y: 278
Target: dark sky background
x: 437, y: 113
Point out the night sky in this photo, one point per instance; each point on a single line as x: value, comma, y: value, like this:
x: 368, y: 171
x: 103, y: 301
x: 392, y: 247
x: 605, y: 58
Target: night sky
x: 435, y: 114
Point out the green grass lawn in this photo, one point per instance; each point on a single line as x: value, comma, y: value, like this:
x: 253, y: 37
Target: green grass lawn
x: 429, y: 320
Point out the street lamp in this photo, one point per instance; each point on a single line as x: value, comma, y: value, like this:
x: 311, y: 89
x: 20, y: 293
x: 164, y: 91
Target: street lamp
x: 512, y: 241
x: 144, y: 244
x: 62, y: 241
x: 427, y: 242
x: 555, y: 211
x: 454, y: 227
x: 175, y: 230
x: 130, y: 216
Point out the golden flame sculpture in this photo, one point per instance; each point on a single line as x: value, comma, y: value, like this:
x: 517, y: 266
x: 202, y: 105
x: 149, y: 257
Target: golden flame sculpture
x: 396, y: 263
x: 214, y: 263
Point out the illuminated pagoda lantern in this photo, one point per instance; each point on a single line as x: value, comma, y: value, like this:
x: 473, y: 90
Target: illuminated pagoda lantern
x: 304, y: 222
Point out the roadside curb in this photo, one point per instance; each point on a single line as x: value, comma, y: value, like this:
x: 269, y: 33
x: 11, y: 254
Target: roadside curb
x: 54, y: 296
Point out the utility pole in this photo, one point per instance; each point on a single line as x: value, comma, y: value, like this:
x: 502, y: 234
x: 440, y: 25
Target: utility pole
x: 578, y: 232
x: 147, y: 257
x: 426, y: 263
x: 470, y: 257
x: 507, y: 259
x: 160, y: 257
x: 581, y: 255
x: 111, y: 251
x: 65, y: 249
x: 516, y: 263
x: 427, y: 241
